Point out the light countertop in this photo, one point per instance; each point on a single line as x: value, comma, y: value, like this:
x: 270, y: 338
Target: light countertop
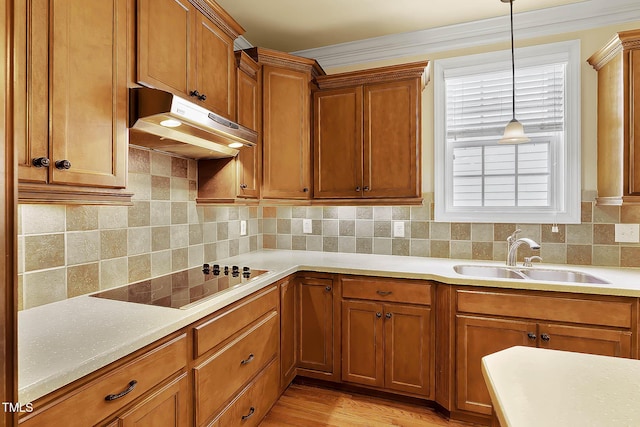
x: 540, y: 387
x: 63, y: 341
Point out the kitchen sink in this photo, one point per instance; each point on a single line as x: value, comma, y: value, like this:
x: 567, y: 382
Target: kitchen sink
x: 498, y: 272
x: 488, y: 271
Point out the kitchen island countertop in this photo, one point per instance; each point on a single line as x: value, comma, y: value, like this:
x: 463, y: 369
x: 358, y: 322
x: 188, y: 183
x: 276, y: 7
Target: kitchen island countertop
x: 66, y: 340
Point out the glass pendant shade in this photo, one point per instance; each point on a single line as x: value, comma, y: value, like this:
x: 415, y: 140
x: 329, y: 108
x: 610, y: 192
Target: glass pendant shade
x: 514, y: 133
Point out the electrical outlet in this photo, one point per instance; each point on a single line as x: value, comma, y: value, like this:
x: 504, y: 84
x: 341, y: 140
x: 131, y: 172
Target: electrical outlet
x: 243, y: 228
x: 398, y: 228
x: 627, y: 233
x: 306, y: 226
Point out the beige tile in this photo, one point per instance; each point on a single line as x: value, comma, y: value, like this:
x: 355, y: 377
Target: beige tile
x: 20, y: 288
x: 139, y: 214
x: 44, y: 287
x: 501, y: 231
x: 299, y: 243
x: 314, y: 243
x: 440, y: 249
x: 314, y: 212
x: 193, y: 190
x: 222, y: 230
x: 482, y: 232
x: 461, y: 249
x: 42, y: 219
x: 606, y: 214
x: 179, y: 236
x: 346, y: 227
x: 160, y: 238
x: 160, y: 263
x: 586, y: 212
x: 400, y: 213
x: 20, y: 254
x: 196, y: 255
x: 630, y: 256
x: 364, y: 245
x: 400, y: 247
x: 179, y: 189
x: 83, y: 279
x: 347, y: 244
x: 460, y: 231
x: 382, y: 245
x: 579, y: 254
x: 234, y: 229
x: 179, y: 167
x: 139, y: 161
x: 113, y: 243
x: 364, y: 228
x: 580, y: 233
x: 329, y: 212
x: 269, y: 241
x: 179, y: 213
x: 110, y: 217
x: 482, y: 250
x: 114, y: 272
x: 553, y: 253
x: 364, y: 212
x: 269, y: 212
x: 192, y: 172
x: 499, y: 251
x: 160, y: 164
x: 209, y: 252
x: 330, y: 244
x: 532, y: 231
x: 630, y: 214
x: 420, y: 213
x: 548, y: 236
x: 195, y: 234
x: 83, y: 247
x: 330, y: 227
x: 160, y: 213
x: 82, y: 217
x: 222, y: 249
x: 209, y: 232
x: 139, y: 267
x: 160, y: 187
x: 420, y: 247
x: 284, y: 212
x: 234, y: 213
x: 380, y: 228
x: 440, y: 231
x: 283, y: 241
x: 139, y: 240
x: 180, y: 259
x: 140, y: 185
x: 43, y: 251
x: 606, y: 255
x: 604, y: 234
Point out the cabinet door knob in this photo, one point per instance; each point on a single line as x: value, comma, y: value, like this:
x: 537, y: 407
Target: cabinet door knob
x: 358, y: 189
x: 378, y: 315
x: 243, y: 186
x: 545, y: 337
x: 63, y: 164
x: 328, y: 289
x: 305, y: 190
x: 41, y: 162
x: 202, y: 97
x: 388, y: 315
x: 195, y: 93
x: 366, y: 188
x: 531, y: 336
x: 110, y: 397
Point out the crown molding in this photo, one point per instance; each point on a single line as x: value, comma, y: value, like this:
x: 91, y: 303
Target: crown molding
x: 544, y: 22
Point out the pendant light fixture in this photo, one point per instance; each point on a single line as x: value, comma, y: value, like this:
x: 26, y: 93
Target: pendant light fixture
x: 514, y: 132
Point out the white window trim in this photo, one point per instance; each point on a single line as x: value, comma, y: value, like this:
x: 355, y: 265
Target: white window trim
x: 568, y: 211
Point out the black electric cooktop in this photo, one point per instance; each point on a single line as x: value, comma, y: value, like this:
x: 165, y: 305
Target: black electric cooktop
x: 180, y: 289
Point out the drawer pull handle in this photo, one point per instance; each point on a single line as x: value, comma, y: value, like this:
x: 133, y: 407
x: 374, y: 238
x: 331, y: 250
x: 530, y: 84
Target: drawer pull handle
x: 250, y: 414
x: 110, y: 397
x: 531, y: 336
x: 328, y: 289
x: 248, y: 360
x: 384, y: 293
x: 378, y: 315
x: 388, y: 315
x: 545, y: 337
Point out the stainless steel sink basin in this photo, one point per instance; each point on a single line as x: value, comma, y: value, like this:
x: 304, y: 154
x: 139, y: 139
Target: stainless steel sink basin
x: 497, y: 272
x: 562, y: 276
x: 488, y: 271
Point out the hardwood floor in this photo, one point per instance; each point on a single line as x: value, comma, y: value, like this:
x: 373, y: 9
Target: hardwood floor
x: 307, y: 406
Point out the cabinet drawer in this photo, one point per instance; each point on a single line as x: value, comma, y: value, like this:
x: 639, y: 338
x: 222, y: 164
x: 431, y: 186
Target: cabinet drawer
x: 605, y: 311
x: 223, y: 374
x: 254, y: 402
x: 222, y: 326
x: 86, y: 405
x: 407, y: 291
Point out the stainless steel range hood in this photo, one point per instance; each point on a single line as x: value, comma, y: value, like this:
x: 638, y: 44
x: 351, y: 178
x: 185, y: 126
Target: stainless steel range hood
x: 182, y: 127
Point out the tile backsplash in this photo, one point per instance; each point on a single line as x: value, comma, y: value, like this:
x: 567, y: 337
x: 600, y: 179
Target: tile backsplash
x: 66, y: 251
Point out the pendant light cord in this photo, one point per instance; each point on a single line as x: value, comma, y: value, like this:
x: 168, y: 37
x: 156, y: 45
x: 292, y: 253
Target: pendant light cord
x: 513, y: 66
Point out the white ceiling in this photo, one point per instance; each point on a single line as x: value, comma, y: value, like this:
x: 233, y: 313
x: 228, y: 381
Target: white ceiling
x: 293, y: 25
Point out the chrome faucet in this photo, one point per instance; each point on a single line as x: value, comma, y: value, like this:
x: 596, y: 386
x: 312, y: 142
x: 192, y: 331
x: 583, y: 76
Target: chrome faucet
x: 513, y: 243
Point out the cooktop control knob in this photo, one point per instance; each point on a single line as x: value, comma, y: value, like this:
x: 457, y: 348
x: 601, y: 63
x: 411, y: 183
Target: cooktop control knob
x: 205, y: 269
x: 246, y: 272
x: 216, y: 269
x: 226, y: 270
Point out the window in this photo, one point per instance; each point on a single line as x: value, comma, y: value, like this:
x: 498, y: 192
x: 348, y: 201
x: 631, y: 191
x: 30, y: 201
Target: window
x: 479, y: 180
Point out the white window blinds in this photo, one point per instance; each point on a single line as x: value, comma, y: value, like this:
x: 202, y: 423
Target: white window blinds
x: 475, y: 104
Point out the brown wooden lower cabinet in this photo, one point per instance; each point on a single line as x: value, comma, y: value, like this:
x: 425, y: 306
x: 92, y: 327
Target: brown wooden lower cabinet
x: 490, y: 320
x: 288, y: 332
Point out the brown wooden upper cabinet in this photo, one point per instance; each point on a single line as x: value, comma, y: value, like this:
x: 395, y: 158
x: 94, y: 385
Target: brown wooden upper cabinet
x: 188, y: 51
x: 286, y: 117
x: 618, y: 66
x: 71, y: 100
x: 367, y: 133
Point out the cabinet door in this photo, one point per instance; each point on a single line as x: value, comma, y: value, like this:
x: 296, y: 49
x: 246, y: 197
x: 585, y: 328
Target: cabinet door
x: 391, y: 139
x: 286, y: 135
x: 337, y: 143
x: 362, y: 343
x: 88, y: 115
x: 605, y: 342
x: 288, y: 335
x: 165, y: 408
x: 165, y: 44
x: 31, y: 80
x: 215, y: 69
x: 407, y: 349
x: 477, y: 337
x: 315, y: 335
x: 249, y: 158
